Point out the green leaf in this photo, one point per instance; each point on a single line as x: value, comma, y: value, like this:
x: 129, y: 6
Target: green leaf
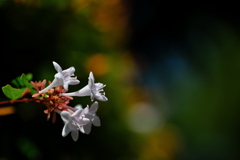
x: 29, y: 76
x: 19, y: 82
x: 24, y: 78
x: 12, y: 93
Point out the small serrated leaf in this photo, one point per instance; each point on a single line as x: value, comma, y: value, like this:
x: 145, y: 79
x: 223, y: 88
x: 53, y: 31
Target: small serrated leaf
x: 24, y: 78
x: 18, y: 82
x: 13, y: 93
x: 15, y: 83
x: 29, y: 76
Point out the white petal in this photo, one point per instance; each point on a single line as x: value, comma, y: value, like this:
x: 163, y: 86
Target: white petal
x: 65, y: 86
x: 92, y: 97
x: 93, y: 108
x: 100, y: 97
x: 65, y: 116
x: 96, y: 121
x: 91, y: 76
x: 68, y: 72
x: 85, y: 91
x: 78, y: 106
x: 74, y: 134
x: 86, y: 110
x: 70, y: 94
x: 66, y: 130
x: 57, y: 67
x: 84, y: 121
x: 73, y: 82
x: 81, y: 129
x: 55, y: 83
x: 89, y: 116
x: 100, y: 86
x: 91, y: 80
x: 87, y: 128
x: 77, y: 113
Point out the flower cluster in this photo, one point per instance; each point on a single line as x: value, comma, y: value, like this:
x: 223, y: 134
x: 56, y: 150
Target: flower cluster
x: 56, y: 99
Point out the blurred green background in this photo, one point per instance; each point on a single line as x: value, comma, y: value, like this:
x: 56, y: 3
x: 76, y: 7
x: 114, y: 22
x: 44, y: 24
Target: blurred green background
x: 171, y: 73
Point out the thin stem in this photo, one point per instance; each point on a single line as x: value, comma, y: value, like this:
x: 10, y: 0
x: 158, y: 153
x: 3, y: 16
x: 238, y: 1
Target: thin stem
x: 17, y: 101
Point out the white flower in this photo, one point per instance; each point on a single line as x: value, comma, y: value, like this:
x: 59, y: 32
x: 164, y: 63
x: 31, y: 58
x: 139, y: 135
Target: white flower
x: 90, y: 113
x: 62, y: 78
x: 80, y: 120
x: 95, y: 90
x: 73, y: 123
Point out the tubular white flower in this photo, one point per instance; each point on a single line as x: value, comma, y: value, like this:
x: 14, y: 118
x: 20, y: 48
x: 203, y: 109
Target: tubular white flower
x: 62, y: 78
x: 95, y: 90
x: 90, y: 113
x: 73, y: 123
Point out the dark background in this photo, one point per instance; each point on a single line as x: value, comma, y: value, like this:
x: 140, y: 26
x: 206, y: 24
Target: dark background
x: 172, y: 76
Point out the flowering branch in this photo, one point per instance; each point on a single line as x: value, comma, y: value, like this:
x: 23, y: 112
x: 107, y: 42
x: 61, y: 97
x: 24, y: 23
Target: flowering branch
x: 56, y: 99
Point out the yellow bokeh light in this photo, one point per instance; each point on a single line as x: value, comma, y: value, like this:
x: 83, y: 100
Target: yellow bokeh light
x: 6, y: 110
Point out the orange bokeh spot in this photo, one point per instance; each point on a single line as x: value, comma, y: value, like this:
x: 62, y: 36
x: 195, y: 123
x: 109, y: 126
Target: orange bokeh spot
x: 6, y: 110
x: 98, y: 64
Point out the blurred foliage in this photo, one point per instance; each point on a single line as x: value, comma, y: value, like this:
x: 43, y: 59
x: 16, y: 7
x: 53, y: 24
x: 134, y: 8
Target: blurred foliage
x: 189, y: 60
